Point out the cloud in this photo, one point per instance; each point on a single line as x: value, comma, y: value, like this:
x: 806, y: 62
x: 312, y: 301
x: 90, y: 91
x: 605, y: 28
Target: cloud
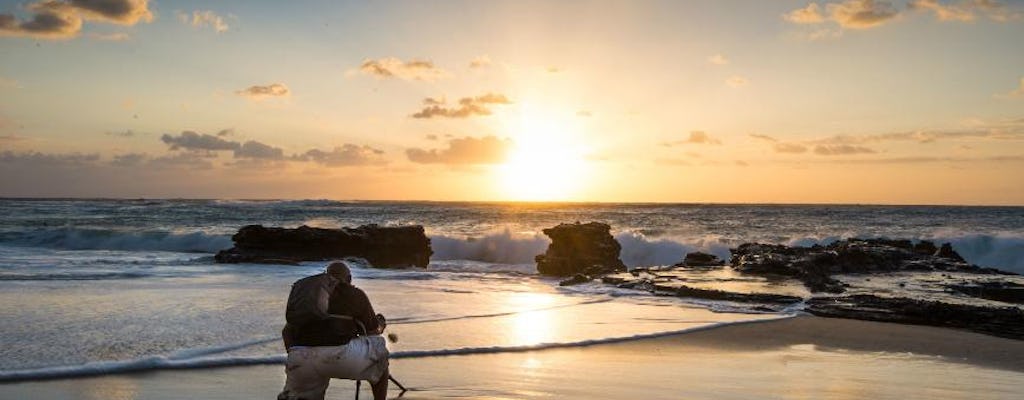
x: 718, y: 59
x: 467, y: 107
x: 128, y: 159
x: 11, y: 138
x: 736, y: 82
x: 1018, y: 92
x: 188, y: 159
x: 807, y: 15
x: 122, y: 12
x: 191, y: 140
x: 203, y: 18
x: 862, y: 14
x: 413, y: 70
x: 584, y: 113
x: 781, y: 147
x: 51, y: 159
x: 50, y: 20
x: 124, y: 134
x: 696, y: 137
x: 57, y: 19
x: 853, y: 14
x: 480, y: 62
x: 256, y: 150
x: 966, y: 10
x: 841, y: 150
x: 110, y: 37
x: 257, y: 92
x: 344, y: 156
x: 463, y: 151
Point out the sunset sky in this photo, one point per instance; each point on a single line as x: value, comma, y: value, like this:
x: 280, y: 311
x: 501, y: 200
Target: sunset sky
x: 855, y: 101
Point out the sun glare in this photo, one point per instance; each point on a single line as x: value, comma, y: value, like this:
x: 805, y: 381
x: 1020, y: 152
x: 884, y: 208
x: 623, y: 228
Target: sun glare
x: 547, y: 162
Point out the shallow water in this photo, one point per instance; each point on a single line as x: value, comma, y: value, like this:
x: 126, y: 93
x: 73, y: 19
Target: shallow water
x: 103, y: 286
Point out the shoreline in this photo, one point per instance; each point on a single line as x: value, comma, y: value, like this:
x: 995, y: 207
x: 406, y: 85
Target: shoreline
x: 750, y: 359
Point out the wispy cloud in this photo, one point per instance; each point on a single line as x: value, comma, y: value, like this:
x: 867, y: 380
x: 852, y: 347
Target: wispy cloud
x: 482, y: 61
x: 191, y: 140
x: 467, y: 150
x: 203, y: 18
x: 412, y: 70
x: 695, y: 137
x: 718, y: 59
x: 841, y: 150
x: 260, y: 92
x: 1018, y: 92
x: 968, y: 10
x: 828, y: 21
x: 780, y: 146
x: 344, y: 156
x: 736, y: 82
x: 466, y: 107
x: 57, y: 19
x: 110, y: 37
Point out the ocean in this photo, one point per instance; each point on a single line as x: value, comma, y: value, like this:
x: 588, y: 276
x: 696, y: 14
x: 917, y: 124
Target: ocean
x: 92, y: 287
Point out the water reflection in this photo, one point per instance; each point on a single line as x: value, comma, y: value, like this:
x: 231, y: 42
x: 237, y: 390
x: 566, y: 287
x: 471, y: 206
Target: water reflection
x: 532, y: 327
x: 110, y: 388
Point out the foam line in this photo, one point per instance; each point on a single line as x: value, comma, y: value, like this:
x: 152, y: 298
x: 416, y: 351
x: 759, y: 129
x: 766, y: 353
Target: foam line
x: 205, y: 351
x: 168, y: 363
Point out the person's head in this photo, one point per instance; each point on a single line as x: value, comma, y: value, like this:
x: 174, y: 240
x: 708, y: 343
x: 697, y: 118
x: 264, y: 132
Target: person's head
x: 338, y: 270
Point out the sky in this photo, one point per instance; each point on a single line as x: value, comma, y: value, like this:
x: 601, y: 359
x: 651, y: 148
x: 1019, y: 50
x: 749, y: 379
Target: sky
x: 843, y: 101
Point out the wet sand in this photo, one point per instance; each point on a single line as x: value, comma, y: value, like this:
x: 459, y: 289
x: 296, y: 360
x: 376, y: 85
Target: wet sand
x: 798, y: 358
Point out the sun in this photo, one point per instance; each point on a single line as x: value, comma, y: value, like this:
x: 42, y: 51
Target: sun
x: 547, y: 162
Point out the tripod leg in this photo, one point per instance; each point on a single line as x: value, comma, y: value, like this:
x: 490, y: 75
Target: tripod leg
x: 358, y: 384
x: 392, y: 379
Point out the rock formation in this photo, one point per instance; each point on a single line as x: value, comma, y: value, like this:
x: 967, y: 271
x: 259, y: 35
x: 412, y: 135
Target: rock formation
x: 587, y: 249
x: 814, y: 265
x: 383, y: 247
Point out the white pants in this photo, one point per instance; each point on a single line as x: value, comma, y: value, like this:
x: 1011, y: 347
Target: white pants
x: 309, y: 369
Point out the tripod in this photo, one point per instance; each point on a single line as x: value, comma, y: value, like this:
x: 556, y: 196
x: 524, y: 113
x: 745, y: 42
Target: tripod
x: 390, y: 378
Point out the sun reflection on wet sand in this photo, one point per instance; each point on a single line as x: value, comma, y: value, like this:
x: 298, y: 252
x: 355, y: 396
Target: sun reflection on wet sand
x: 112, y: 388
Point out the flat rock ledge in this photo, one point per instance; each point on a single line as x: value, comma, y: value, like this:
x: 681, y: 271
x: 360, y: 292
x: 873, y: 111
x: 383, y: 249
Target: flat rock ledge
x: 1005, y: 322
x: 382, y: 247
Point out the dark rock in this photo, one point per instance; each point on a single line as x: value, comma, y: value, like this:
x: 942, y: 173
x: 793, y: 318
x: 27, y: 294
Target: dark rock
x: 383, y: 247
x: 1007, y: 292
x: 578, y: 248
x: 925, y: 247
x: 1005, y: 322
x: 699, y: 259
x: 721, y: 295
x: 575, y: 280
x: 814, y: 265
x: 946, y: 251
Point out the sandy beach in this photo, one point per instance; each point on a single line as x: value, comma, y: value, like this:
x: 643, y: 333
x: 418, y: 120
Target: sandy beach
x: 799, y: 358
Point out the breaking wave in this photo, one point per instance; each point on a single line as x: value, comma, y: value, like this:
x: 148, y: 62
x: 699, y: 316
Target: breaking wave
x: 1005, y: 251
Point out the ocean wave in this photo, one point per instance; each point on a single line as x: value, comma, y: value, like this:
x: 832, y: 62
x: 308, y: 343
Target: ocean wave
x: 154, y: 363
x: 1003, y: 250
x: 74, y: 276
x: 68, y: 238
x: 502, y: 247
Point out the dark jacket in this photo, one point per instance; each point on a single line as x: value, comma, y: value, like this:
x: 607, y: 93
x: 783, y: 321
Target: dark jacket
x: 344, y: 300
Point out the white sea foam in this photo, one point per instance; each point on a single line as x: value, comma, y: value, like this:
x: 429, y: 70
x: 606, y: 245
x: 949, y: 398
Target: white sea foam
x: 499, y: 247
x: 1004, y: 251
x: 177, y: 362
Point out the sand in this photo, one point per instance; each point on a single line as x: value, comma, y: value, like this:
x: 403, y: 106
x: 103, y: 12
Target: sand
x: 799, y: 358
